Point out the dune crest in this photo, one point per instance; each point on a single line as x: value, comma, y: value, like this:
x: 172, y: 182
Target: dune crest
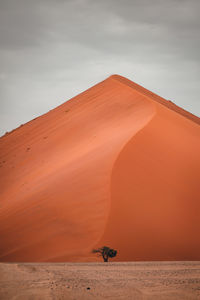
x: 115, y: 165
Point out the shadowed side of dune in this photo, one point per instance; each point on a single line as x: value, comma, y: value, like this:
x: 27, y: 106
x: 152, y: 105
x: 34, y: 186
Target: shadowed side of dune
x: 155, y: 205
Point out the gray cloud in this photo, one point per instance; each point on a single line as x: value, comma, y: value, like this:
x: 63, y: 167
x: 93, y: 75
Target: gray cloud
x: 52, y: 50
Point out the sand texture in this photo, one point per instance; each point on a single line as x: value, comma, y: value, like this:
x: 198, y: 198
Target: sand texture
x: 85, y: 281
x: 116, y: 165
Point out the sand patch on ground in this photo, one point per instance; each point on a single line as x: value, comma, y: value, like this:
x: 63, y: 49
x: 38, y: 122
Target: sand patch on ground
x: 126, y: 280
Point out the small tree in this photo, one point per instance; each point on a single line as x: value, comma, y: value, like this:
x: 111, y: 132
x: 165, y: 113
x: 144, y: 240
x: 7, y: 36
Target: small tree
x: 105, y: 252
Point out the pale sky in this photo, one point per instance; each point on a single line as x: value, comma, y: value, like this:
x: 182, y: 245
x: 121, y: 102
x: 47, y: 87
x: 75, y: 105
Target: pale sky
x: 51, y: 50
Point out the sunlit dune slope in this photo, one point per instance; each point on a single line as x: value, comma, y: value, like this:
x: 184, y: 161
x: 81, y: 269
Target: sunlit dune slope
x: 116, y: 165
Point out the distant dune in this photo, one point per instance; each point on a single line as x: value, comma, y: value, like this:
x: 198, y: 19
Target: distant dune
x: 116, y: 165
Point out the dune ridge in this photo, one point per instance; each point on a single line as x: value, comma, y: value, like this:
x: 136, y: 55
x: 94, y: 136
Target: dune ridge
x: 70, y: 177
x: 168, y: 103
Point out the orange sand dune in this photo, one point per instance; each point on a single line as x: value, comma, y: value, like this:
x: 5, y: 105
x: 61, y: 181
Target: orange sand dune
x: 116, y: 165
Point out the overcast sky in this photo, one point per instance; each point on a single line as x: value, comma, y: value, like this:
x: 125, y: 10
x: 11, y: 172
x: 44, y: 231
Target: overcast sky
x: 51, y: 50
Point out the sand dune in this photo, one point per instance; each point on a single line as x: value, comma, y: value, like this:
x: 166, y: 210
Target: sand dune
x: 116, y: 165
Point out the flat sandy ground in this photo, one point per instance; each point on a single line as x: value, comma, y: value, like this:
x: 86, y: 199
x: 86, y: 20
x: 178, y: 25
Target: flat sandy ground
x: 127, y: 280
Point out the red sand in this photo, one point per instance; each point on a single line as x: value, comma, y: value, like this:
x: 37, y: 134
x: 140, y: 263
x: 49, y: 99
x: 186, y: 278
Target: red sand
x: 117, y: 165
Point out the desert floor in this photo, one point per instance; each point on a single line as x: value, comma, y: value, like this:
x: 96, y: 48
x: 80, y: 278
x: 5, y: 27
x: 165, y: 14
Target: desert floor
x: 125, y: 280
